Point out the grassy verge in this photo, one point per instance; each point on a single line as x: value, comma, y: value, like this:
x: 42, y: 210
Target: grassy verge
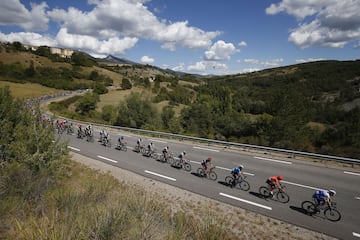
x: 89, y: 204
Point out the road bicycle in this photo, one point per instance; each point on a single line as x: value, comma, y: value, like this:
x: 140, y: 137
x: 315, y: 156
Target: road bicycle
x: 139, y: 149
x: 278, y: 193
x: 210, y: 174
x: 239, y: 182
x: 121, y: 147
x: 181, y: 163
x: 169, y: 159
x: 330, y: 212
x: 106, y: 142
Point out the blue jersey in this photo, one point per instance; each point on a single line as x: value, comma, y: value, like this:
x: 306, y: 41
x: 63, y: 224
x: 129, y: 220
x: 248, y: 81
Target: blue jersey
x: 236, y: 170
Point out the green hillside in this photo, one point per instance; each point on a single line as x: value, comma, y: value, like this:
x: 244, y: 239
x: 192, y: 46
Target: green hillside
x: 312, y: 107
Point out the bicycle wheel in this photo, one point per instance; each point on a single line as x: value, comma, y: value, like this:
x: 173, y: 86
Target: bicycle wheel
x: 187, y: 167
x: 332, y: 214
x: 309, y: 207
x: 282, y: 197
x: 244, y: 185
x: 229, y: 180
x: 172, y: 161
x: 264, y: 191
x: 200, y: 172
x: 124, y: 148
x: 212, y: 175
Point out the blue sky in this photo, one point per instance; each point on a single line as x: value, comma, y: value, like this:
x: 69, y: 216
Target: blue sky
x: 198, y: 36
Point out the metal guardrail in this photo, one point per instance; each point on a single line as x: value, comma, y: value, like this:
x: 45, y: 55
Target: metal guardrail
x: 293, y: 153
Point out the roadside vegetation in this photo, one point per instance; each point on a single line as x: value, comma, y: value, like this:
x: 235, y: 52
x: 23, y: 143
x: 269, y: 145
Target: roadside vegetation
x: 44, y: 195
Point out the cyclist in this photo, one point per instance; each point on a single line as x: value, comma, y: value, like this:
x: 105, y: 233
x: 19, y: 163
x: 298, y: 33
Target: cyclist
x: 323, y: 196
x: 166, y: 152
x: 139, y: 142
x: 79, y: 133
x: 150, y: 148
x: 121, y: 141
x: 105, y: 139
x: 274, y: 182
x: 206, y: 163
x: 182, y: 156
x: 237, y: 172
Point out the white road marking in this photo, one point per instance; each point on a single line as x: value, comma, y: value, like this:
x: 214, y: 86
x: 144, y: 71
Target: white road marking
x: 356, y: 234
x: 154, y: 140
x: 358, y: 198
x: 227, y: 169
x: 301, y: 185
x: 245, y: 201
x: 352, y: 173
x: 107, y: 159
x: 273, y: 160
x: 207, y: 149
x: 73, y: 148
x: 159, y: 175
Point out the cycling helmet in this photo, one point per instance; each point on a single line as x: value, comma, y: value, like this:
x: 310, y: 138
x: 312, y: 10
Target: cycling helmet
x: 241, y: 167
x: 332, y: 192
x: 280, y: 177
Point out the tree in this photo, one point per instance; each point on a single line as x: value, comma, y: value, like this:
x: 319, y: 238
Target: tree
x: 87, y: 103
x: 126, y: 84
x: 136, y: 112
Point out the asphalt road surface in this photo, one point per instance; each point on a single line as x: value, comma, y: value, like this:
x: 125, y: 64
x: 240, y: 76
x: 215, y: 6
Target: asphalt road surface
x: 301, y: 179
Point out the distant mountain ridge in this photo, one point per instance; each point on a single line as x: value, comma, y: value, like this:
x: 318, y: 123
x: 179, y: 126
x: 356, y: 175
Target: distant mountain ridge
x: 113, y: 59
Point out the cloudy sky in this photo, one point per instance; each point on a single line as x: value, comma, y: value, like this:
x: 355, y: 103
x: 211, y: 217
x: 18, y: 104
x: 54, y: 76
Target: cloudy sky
x: 194, y: 36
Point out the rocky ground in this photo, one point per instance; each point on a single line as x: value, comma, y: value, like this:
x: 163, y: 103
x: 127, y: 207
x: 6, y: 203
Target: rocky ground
x: 246, y: 224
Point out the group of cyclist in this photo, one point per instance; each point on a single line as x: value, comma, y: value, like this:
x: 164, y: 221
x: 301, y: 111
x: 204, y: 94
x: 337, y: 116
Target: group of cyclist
x: 321, y: 196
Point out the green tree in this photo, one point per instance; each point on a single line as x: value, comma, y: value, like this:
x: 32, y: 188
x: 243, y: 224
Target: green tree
x: 126, y: 84
x: 136, y: 112
x: 167, y: 115
x: 87, y: 103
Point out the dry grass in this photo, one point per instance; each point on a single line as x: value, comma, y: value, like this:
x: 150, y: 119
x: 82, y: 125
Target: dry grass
x: 28, y: 90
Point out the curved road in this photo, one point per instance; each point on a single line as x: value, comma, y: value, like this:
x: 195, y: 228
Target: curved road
x: 300, y: 179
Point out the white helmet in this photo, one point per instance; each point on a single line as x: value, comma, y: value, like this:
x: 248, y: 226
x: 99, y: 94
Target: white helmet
x: 332, y: 192
x: 241, y: 167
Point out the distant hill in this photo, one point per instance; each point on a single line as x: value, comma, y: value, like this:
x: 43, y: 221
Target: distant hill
x: 112, y: 59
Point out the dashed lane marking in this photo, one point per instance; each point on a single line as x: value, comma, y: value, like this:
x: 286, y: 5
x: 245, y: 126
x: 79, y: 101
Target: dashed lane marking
x: 300, y: 185
x: 159, y: 175
x: 207, y: 149
x: 352, y: 173
x: 246, y: 201
x: 356, y: 234
x: 107, y: 159
x: 74, y: 148
x: 273, y: 160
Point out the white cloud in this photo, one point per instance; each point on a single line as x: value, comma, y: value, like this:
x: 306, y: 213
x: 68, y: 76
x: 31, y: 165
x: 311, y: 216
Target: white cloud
x: 180, y: 67
x: 267, y: 63
x: 147, y: 60
x: 220, y: 51
x: 14, y: 13
x: 242, y: 44
x: 202, y: 66
x: 248, y: 70
x: 131, y: 18
x: 28, y: 38
x: 327, y: 23
x: 112, y: 45
x: 111, y: 26
x: 309, y: 60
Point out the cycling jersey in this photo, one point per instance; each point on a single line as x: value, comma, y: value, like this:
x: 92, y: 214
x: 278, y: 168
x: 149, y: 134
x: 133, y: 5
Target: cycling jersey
x: 322, y: 195
x: 236, y: 170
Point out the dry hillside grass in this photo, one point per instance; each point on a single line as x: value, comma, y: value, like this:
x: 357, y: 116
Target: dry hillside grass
x: 28, y: 90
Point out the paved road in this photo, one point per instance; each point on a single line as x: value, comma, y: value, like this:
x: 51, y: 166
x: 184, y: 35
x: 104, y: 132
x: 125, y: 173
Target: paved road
x: 301, y: 179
